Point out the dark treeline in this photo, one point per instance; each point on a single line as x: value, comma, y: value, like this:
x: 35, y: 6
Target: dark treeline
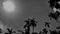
x: 27, y: 26
x: 29, y: 23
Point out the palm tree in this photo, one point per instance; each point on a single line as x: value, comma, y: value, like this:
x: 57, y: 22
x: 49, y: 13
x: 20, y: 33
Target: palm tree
x: 27, y: 26
x: 33, y: 23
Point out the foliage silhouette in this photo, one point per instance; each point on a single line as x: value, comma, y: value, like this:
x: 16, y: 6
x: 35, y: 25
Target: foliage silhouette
x: 33, y: 23
x: 58, y: 27
x: 45, y: 30
x: 27, y: 26
x: 47, y: 24
x: 54, y: 16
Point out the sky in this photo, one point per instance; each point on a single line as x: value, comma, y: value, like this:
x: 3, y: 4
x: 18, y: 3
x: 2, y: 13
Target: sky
x: 38, y: 9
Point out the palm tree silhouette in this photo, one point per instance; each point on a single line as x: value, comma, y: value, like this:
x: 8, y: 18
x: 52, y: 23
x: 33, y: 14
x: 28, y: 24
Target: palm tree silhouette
x: 27, y: 26
x: 33, y: 23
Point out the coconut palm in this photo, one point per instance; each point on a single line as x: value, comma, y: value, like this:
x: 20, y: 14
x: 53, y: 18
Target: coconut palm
x: 33, y: 23
x: 27, y: 26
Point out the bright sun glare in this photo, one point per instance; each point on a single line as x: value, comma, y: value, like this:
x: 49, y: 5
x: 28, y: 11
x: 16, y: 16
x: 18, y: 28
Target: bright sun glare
x: 9, y: 6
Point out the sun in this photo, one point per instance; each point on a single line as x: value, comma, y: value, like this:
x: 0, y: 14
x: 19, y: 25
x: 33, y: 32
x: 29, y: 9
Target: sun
x: 8, y: 6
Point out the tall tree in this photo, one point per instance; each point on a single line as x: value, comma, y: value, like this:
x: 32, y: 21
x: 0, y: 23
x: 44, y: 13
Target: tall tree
x: 27, y: 26
x: 33, y: 23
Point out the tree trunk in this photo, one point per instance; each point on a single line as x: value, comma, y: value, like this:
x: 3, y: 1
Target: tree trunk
x: 33, y: 29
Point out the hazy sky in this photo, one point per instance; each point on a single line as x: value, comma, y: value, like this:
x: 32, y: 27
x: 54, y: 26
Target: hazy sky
x: 38, y: 9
